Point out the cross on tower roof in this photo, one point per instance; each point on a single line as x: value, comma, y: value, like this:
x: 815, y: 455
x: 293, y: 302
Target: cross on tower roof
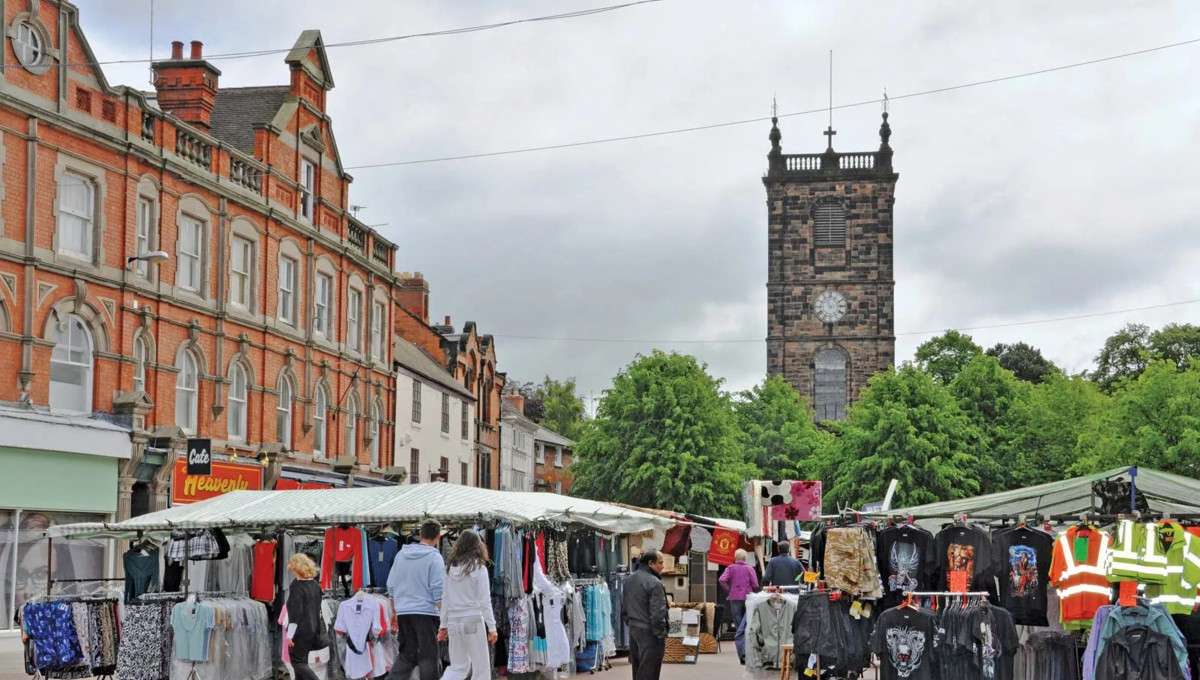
x: 829, y: 133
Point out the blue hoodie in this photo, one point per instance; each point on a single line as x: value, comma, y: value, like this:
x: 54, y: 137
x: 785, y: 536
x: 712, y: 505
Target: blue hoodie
x: 415, y: 581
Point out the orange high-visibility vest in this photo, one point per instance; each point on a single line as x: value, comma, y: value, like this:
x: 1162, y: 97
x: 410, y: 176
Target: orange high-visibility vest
x: 1082, y: 584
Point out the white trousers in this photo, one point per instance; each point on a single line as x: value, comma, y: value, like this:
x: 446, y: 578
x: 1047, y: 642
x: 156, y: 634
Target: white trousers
x: 469, y: 652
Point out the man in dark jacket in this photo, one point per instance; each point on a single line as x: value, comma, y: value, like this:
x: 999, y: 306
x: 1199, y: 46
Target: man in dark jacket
x: 644, y: 609
x: 783, y: 569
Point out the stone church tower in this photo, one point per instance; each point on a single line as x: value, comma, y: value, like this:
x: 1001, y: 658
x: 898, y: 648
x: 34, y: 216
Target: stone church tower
x: 830, y: 283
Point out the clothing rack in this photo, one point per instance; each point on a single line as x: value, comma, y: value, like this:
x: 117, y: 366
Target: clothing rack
x: 943, y: 593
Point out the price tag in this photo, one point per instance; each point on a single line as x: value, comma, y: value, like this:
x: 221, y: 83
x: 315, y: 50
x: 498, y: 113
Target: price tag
x: 1081, y: 550
x: 958, y: 581
x: 856, y: 610
x: 1128, y: 596
x: 810, y: 576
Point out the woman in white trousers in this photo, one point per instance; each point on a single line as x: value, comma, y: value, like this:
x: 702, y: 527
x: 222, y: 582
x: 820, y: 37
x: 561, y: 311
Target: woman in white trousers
x: 467, y: 618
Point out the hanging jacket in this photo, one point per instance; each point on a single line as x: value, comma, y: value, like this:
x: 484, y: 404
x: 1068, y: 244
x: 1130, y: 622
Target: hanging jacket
x: 1178, y: 591
x: 342, y: 545
x: 1153, y: 617
x: 1082, y: 584
x: 1138, y: 653
x: 1133, y: 557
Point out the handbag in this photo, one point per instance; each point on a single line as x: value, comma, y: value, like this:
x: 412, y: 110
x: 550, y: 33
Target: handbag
x: 319, y: 657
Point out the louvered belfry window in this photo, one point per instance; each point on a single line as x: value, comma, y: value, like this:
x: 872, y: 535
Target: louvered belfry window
x: 829, y: 225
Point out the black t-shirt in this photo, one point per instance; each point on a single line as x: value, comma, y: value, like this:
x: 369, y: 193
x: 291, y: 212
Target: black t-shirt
x: 969, y: 549
x: 994, y: 643
x: 903, y: 641
x: 1022, y: 558
x: 906, y: 562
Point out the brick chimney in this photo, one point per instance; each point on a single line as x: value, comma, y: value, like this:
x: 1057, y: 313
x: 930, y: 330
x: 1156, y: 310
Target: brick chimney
x: 517, y: 401
x: 187, y: 88
x: 414, y: 294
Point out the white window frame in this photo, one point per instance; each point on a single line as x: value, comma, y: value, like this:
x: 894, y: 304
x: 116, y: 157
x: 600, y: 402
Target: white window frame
x: 322, y: 295
x: 240, y: 278
x: 187, y: 259
x: 377, y: 313
x: 445, y: 413
x: 376, y: 419
x: 416, y: 401
x: 320, y: 423
x: 83, y: 218
x: 352, y: 428
x: 145, y: 223
x: 284, y: 403
x: 354, y: 300
x: 239, y: 402
x: 187, y: 410
x: 308, y: 186
x: 140, y: 354
x: 28, y: 45
x: 75, y: 338
x: 287, y: 290
x: 466, y: 422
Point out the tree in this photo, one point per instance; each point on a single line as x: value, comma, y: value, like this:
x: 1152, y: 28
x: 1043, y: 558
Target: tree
x: 996, y: 403
x: 1177, y: 343
x: 535, y: 409
x: 908, y: 428
x: 1153, y: 420
x: 562, y: 409
x: 779, y: 436
x: 944, y: 356
x: 1061, y: 409
x: 665, y: 437
x: 1124, y: 356
x: 1025, y: 361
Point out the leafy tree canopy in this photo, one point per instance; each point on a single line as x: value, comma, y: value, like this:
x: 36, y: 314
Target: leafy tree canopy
x: 779, y: 436
x: 563, y: 410
x: 1024, y: 360
x: 664, y: 436
x: 944, y: 356
x: 535, y: 410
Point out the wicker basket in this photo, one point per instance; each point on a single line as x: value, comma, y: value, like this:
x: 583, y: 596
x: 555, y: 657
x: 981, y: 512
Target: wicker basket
x: 677, y: 652
x: 708, y: 644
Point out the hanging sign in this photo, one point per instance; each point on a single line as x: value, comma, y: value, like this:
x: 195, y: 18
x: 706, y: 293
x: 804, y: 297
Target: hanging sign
x: 199, y: 457
x: 225, y: 477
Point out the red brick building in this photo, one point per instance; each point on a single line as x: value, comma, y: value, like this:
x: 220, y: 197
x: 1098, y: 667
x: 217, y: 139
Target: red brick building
x: 268, y: 329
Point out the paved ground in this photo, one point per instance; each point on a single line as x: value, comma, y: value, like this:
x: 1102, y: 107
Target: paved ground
x: 11, y: 667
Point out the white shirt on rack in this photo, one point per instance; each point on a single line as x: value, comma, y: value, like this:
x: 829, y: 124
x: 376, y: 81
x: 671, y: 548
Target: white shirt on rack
x: 358, y: 619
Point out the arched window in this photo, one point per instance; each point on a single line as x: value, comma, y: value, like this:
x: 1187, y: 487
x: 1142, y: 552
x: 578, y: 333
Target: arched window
x: 352, y: 427
x: 140, y: 354
x: 320, y: 416
x: 283, y: 411
x: 187, y: 393
x: 829, y: 388
x: 829, y: 225
x: 376, y: 416
x: 71, y: 366
x: 238, y: 390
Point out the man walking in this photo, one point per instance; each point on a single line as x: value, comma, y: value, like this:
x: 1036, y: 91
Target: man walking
x: 644, y: 609
x: 415, y: 585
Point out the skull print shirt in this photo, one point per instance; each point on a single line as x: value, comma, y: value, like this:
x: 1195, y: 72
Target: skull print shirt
x: 903, y: 641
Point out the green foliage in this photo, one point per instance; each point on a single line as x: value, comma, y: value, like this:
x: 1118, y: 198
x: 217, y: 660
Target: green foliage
x: 535, y: 410
x: 908, y: 428
x: 562, y: 409
x: 1124, y: 356
x: 1176, y: 342
x: 945, y: 356
x: 998, y: 404
x: 779, y: 436
x: 664, y: 436
x: 1154, y: 420
x: 1061, y: 409
x: 1025, y: 361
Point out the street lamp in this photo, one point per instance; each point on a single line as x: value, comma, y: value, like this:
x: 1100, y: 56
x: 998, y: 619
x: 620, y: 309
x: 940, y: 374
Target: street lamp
x: 155, y: 257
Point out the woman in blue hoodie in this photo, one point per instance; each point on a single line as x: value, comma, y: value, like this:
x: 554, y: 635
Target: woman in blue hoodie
x: 467, y: 618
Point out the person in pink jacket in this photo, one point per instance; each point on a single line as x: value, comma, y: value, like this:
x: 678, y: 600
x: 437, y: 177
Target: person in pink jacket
x: 739, y: 580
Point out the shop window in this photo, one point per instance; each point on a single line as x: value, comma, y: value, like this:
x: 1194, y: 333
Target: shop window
x: 23, y: 558
x: 139, y: 499
x: 71, y: 366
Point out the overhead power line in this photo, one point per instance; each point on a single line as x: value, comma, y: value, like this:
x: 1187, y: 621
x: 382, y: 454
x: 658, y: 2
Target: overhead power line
x: 376, y: 41
x: 762, y: 119
x: 907, y: 333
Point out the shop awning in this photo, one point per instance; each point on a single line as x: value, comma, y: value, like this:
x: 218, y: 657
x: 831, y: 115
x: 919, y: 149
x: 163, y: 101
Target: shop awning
x: 408, y: 503
x: 1163, y: 491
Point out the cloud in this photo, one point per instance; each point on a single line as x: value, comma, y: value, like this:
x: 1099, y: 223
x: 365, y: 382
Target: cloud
x: 1054, y: 195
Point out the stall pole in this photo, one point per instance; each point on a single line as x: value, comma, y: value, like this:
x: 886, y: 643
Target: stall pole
x: 1133, y: 489
x: 49, y: 564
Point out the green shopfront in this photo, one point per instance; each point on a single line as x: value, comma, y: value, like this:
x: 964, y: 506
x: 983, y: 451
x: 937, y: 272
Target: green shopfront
x: 54, y: 470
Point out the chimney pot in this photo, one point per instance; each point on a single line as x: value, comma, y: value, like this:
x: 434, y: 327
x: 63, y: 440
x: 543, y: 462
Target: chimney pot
x: 177, y: 49
x: 447, y: 320
x: 197, y: 49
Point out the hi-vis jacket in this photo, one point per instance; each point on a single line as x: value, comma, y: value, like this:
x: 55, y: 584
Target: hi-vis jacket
x: 1181, y: 555
x: 1082, y: 583
x: 1136, y: 554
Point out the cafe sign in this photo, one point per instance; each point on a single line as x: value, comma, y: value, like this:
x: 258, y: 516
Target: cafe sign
x: 225, y: 477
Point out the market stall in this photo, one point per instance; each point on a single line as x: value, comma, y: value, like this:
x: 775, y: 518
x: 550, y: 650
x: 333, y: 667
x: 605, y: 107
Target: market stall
x: 225, y: 556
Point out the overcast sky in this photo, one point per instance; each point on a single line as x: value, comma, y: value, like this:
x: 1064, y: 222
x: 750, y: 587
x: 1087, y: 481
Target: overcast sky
x: 1063, y: 194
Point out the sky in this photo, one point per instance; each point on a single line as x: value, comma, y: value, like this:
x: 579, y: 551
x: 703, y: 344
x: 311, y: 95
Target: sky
x: 1063, y: 194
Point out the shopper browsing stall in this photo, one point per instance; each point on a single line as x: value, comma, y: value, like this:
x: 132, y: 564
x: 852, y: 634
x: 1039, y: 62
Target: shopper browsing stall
x: 739, y: 580
x: 415, y: 584
x: 306, y: 629
x: 467, y: 611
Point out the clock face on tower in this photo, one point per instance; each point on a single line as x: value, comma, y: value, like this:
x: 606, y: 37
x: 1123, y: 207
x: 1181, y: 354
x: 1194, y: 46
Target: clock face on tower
x: 830, y: 306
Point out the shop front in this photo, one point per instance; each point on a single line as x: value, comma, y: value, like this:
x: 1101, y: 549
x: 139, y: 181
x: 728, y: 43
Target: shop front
x: 56, y: 470
x: 225, y: 477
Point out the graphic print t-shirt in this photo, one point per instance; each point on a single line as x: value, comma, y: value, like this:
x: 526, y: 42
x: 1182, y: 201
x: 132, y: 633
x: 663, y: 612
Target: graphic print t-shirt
x: 906, y: 562
x: 965, y: 548
x: 995, y: 643
x: 1023, y: 557
x: 903, y: 641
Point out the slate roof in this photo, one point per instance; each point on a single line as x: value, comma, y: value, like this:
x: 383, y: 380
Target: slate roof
x: 239, y: 109
x: 416, y: 360
x: 544, y: 435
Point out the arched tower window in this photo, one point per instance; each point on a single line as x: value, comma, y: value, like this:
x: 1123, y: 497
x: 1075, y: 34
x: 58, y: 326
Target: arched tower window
x: 829, y: 385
